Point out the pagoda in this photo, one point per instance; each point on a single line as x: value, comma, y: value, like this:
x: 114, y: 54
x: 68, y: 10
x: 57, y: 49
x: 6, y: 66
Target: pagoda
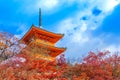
x: 42, y: 42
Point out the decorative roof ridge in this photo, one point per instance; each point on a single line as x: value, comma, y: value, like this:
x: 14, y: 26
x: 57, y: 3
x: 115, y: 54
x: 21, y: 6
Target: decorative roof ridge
x: 46, y: 30
x: 34, y: 27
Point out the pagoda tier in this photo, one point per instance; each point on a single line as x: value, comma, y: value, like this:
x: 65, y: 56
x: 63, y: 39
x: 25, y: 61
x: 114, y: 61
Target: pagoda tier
x: 51, y: 50
x: 39, y: 33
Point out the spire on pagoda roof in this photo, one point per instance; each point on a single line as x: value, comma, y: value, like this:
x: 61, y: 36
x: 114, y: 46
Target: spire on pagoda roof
x: 40, y: 18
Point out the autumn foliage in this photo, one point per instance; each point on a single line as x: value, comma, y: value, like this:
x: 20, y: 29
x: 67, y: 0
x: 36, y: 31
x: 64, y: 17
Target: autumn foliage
x: 96, y: 66
x: 9, y: 45
x: 24, y: 66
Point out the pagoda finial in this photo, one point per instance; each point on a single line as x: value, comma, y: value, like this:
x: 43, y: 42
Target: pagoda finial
x: 40, y: 18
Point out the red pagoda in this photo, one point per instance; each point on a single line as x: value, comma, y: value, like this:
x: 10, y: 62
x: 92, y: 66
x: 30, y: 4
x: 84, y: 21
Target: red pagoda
x: 42, y: 42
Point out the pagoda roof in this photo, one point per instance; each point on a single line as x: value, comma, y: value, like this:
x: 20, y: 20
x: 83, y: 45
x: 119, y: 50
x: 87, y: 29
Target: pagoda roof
x: 46, y: 35
x: 54, y: 51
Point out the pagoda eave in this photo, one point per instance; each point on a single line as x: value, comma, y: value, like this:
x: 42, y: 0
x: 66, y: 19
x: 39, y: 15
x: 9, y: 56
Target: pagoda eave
x: 54, y: 51
x: 42, y: 34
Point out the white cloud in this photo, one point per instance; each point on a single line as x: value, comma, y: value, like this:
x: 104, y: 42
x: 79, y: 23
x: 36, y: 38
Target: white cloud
x: 47, y: 4
x: 78, y: 32
x: 108, y: 5
x: 31, y: 7
x: 112, y: 48
x: 83, y: 28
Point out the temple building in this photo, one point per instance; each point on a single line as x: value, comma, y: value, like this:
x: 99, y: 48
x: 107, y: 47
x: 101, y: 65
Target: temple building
x: 42, y: 42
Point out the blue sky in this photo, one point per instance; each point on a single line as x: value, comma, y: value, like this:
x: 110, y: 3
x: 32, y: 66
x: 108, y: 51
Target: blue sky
x: 87, y: 25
